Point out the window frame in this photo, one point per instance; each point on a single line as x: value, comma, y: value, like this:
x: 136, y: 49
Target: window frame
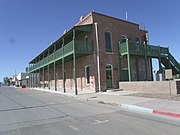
x: 111, y: 71
x: 110, y: 42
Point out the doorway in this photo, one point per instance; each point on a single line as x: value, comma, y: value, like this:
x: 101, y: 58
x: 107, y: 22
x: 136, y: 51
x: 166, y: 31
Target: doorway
x: 109, y: 77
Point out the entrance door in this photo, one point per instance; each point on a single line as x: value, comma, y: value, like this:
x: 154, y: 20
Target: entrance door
x: 109, y: 76
x: 124, y: 76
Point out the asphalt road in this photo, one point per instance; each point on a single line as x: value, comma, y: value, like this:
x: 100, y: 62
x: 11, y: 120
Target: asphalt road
x: 30, y: 112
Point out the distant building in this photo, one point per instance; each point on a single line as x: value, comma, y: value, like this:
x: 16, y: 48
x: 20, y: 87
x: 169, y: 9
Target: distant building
x: 21, y: 79
x: 97, y: 53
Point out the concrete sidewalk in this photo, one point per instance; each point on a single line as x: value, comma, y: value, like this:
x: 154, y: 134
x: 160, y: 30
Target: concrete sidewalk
x: 157, y: 106
x: 121, y: 98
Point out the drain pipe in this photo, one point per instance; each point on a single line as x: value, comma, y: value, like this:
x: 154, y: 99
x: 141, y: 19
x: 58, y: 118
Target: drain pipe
x: 98, y: 61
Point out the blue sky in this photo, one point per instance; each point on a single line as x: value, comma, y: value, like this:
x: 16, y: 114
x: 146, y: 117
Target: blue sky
x: 27, y: 27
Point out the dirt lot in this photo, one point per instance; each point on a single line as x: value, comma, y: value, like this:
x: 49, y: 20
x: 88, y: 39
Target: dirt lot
x: 161, y: 96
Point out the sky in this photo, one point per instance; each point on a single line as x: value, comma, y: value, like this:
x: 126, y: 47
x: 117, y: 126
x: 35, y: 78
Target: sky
x: 27, y: 27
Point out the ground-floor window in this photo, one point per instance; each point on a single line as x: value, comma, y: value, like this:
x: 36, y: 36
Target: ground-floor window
x: 87, y: 75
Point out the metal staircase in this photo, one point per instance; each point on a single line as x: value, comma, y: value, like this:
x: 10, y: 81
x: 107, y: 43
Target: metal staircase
x: 170, y: 62
x: 149, y: 51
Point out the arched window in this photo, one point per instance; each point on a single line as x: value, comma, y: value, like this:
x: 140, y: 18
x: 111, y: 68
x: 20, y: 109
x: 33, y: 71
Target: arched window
x: 108, y: 41
x: 137, y: 43
x: 86, y: 42
x: 137, y: 40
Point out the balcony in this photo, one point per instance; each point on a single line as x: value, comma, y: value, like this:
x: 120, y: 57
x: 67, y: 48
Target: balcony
x: 140, y: 49
x: 80, y: 49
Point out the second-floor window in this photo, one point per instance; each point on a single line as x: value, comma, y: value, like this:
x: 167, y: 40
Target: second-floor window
x: 86, y: 43
x: 137, y: 40
x: 108, y: 41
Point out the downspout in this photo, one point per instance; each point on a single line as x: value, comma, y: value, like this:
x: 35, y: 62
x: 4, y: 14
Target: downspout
x: 98, y: 61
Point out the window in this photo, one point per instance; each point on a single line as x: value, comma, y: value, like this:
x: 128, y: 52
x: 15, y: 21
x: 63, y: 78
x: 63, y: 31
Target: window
x: 86, y: 42
x: 87, y: 75
x: 108, y: 41
x: 137, y: 43
x: 123, y: 40
x: 137, y: 40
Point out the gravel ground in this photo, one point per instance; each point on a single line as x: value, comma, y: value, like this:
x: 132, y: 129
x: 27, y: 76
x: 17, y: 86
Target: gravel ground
x: 161, y: 96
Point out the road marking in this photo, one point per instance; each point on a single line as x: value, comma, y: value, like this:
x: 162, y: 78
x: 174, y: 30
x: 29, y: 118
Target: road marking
x: 100, y: 122
x: 74, y: 128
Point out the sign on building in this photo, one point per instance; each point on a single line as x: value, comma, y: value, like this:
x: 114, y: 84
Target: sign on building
x: 168, y: 73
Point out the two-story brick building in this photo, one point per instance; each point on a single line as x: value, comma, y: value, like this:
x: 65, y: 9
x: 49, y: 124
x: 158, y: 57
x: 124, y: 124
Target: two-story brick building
x: 97, y: 53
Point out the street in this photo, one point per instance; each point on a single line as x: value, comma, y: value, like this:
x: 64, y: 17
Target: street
x: 31, y: 112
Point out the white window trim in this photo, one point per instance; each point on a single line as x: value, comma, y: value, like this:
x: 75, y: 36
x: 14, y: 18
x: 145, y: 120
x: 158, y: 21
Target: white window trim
x: 86, y: 75
x: 111, y: 42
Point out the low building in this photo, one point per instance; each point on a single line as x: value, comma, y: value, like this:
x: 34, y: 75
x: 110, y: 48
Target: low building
x: 21, y: 79
x: 97, y: 53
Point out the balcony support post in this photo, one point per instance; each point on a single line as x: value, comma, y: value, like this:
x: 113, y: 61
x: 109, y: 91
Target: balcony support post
x: 43, y: 77
x: 29, y: 74
x: 55, y: 78
x: 32, y: 79
x: 137, y: 69
x: 48, y: 66
x: 159, y: 57
x: 169, y: 63
x: 36, y: 75
x: 74, y: 63
x: 120, y: 62
x: 146, y: 61
x: 128, y: 59
x: 39, y: 73
x: 36, y: 78
x: 63, y: 72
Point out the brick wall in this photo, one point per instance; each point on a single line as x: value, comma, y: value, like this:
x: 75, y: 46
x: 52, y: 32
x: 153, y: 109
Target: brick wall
x: 117, y: 27
x: 159, y: 87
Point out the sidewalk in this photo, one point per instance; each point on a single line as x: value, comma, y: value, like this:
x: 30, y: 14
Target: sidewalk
x: 120, y: 98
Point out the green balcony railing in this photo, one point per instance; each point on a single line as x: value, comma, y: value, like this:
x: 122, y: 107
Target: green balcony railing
x: 58, y: 54
x: 152, y: 50
x: 80, y: 47
x: 84, y: 47
x: 68, y: 48
x: 137, y: 49
x: 123, y: 48
x: 164, y: 50
x: 140, y: 49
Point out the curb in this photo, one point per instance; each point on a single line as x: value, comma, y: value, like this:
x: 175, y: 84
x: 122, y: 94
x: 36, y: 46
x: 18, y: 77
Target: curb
x: 148, y: 110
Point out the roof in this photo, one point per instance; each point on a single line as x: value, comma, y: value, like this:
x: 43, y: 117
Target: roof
x: 114, y: 18
x: 87, y: 28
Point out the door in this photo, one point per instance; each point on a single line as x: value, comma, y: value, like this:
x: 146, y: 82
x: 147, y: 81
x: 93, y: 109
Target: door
x: 124, y: 76
x: 109, y: 77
